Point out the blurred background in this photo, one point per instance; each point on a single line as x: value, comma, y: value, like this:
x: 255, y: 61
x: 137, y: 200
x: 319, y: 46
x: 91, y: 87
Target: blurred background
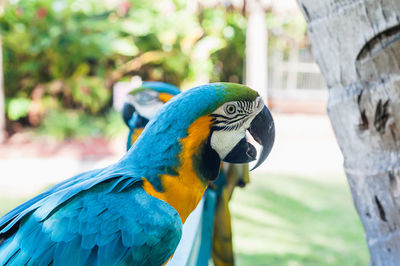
x: 66, y: 65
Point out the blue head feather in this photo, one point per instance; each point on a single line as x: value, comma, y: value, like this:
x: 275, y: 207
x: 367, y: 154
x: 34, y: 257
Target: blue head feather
x: 161, y: 87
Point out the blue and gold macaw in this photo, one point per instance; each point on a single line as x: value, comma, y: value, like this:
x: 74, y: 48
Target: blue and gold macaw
x: 131, y: 212
x: 216, y: 234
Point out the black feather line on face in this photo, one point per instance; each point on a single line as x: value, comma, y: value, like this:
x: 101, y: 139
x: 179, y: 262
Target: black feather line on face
x: 228, y: 126
x: 225, y: 117
x: 226, y: 123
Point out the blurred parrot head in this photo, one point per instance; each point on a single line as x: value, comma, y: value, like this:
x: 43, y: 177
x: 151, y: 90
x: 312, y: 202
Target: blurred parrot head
x: 142, y: 103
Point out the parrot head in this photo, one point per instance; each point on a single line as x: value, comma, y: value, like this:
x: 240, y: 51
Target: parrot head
x: 181, y: 148
x: 242, y: 111
x: 208, y: 124
x: 142, y: 103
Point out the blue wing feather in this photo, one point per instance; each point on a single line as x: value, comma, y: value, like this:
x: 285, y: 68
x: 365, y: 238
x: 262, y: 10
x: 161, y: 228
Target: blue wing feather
x: 99, y: 225
x: 27, y: 206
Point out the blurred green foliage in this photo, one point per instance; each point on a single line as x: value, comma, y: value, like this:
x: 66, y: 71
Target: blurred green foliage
x: 62, y: 57
x: 17, y: 107
x: 80, y: 124
x: 65, y: 55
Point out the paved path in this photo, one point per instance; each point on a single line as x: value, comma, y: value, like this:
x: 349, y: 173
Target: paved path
x: 305, y: 145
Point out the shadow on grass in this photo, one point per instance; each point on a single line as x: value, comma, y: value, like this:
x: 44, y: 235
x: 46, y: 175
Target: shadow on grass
x: 283, y: 220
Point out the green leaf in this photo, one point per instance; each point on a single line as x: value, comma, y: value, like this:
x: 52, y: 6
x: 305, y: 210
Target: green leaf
x: 17, y: 108
x: 124, y: 47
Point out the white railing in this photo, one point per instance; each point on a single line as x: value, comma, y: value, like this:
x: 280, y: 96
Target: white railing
x: 294, y: 78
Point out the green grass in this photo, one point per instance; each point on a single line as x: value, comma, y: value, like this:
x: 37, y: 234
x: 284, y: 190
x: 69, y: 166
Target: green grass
x: 6, y: 204
x: 283, y: 220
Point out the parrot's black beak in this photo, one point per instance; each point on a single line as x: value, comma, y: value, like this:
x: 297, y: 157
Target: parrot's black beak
x: 243, y: 152
x: 262, y: 129
x: 127, y: 112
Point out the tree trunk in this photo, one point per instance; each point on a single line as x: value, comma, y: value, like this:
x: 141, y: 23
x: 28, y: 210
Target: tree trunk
x: 357, y: 46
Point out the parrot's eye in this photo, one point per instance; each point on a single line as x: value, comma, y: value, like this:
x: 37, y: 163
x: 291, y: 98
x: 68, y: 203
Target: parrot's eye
x: 230, y: 109
x: 233, y: 115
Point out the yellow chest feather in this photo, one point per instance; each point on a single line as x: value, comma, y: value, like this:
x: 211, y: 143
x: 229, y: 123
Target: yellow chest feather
x: 183, y: 192
x: 135, y: 134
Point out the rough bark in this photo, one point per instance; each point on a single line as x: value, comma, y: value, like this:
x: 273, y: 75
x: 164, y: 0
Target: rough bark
x: 357, y: 46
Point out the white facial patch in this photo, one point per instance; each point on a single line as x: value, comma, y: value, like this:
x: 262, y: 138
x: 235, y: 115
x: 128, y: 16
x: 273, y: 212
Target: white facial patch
x: 224, y: 141
x: 146, y: 103
x: 231, y: 120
